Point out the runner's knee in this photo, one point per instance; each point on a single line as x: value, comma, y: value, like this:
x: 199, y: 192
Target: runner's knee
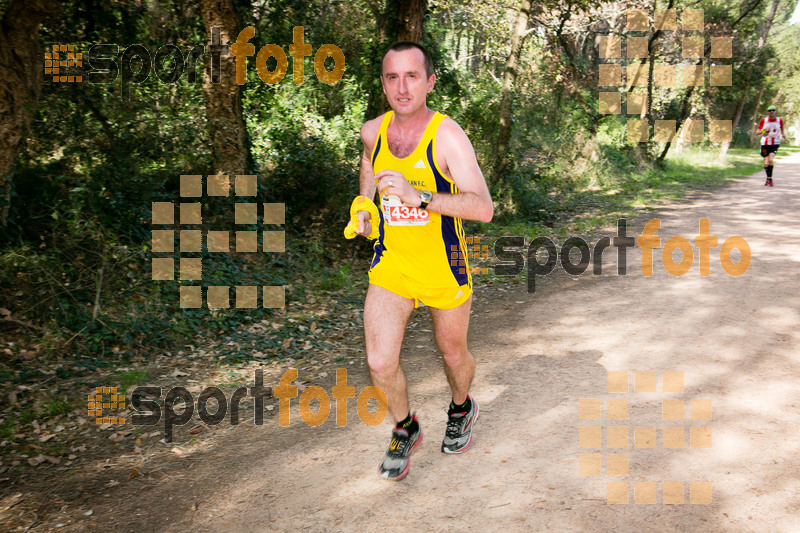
x: 455, y: 355
x: 382, y: 365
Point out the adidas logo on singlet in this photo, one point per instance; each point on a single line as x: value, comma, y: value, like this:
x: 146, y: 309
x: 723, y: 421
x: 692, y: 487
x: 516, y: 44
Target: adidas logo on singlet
x: 420, y: 164
x: 460, y: 294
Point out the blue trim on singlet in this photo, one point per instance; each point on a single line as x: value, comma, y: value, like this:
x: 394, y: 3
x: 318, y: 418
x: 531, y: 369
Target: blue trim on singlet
x: 449, y: 234
x: 377, y: 150
x: 379, y: 246
x: 442, y: 185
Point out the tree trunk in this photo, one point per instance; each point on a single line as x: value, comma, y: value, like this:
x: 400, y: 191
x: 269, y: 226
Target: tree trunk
x: 21, y: 75
x: 401, y: 20
x: 685, y: 110
x: 762, y: 40
x: 509, y: 77
x: 768, y: 24
x: 405, y: 19
x: 723, y: 151
x: 223, y: 100
x: 477, y: 54
x: 755, y: 117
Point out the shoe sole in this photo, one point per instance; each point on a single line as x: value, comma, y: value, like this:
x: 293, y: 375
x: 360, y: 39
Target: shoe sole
x: 469, y: 442
x: 404, y: 473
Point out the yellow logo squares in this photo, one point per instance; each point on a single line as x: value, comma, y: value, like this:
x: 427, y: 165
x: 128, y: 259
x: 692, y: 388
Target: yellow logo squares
x: 610, y: 103
x: 624, y: 63
x: 666, y: 19
x: 203, y: 240
x: 645, y: 492
x: 610, y: 47
x: 617, y: 465
x: 637, y: 20
x: 475, y: 250
x: 62, y: 56
x: 102, y: 402
x: 605, y: 447
x: 693, y: 19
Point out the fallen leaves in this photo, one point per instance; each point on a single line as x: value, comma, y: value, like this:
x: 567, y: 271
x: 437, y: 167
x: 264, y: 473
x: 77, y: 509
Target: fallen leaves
x: 36, y: 461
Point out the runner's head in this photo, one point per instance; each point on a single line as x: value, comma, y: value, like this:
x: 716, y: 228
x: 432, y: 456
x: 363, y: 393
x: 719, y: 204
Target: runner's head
x: 772, y: 110
x: 402, y: 46
x: 407, y: 77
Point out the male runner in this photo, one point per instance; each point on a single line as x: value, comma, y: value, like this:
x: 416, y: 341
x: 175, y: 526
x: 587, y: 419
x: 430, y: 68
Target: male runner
x: 772, y: 128
x: 426, y: 173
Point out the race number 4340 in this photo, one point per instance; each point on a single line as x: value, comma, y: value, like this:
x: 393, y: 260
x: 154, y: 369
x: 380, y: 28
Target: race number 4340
x: 396, y: 213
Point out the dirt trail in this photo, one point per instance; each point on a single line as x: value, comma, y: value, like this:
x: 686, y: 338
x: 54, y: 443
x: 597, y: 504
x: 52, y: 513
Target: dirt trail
x: 735, y: 338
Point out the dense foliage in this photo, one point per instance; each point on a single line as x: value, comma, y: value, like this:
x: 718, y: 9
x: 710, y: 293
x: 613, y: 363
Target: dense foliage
x: 74, y: 256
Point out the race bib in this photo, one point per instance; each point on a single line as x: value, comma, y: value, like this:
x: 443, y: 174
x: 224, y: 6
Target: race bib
x: 396, y: 213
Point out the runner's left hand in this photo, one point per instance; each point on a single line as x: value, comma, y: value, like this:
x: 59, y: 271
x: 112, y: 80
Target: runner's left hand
x: 393, y: 182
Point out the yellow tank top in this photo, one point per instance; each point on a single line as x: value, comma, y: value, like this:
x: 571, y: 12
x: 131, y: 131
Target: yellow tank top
x: 426, y: 246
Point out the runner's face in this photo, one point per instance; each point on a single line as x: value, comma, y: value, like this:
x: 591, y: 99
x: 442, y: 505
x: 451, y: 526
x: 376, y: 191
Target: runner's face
x: 404, y: 81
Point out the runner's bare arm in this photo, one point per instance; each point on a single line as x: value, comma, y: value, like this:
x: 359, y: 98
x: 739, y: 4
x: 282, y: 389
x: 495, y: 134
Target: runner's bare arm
x: 366, y: 181
x: 369, y: 131
x: 456, y: 158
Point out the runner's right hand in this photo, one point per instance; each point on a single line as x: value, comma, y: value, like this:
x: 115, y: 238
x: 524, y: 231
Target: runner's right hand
x: 364, y: 219
x: 364, y: 227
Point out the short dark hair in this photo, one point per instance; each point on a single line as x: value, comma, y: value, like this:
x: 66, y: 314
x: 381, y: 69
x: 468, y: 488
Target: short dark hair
x: 401, y: 46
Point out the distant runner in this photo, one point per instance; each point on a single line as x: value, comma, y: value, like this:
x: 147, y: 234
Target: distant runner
x: 772, y: 129
x: 428, y: 179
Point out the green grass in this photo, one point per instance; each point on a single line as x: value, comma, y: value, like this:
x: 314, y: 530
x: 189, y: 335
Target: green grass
x: 56, y: 407
x: 126, y: 379
x: 694, y: 168
x: 7, y: 429
x: 18, y: 421
x: 335, y: 280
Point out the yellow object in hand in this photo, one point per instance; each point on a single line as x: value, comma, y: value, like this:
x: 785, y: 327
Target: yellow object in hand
x: 362, y: 203
x: 766, y: 131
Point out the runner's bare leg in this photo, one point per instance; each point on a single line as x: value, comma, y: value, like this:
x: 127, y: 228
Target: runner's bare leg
x: 450, y: 328
x: 385, y: 318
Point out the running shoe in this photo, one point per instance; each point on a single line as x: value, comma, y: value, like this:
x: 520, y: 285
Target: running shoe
x: 770, y: 182
x: 766, y: 183
x: 458, y: 437
x: 396, y: 462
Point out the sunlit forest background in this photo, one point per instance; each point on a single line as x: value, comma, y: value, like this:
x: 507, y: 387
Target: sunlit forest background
x: 82, y: 163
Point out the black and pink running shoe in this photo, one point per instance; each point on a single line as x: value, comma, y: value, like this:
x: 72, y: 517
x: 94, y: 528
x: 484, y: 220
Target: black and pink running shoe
x: 458, y: 437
